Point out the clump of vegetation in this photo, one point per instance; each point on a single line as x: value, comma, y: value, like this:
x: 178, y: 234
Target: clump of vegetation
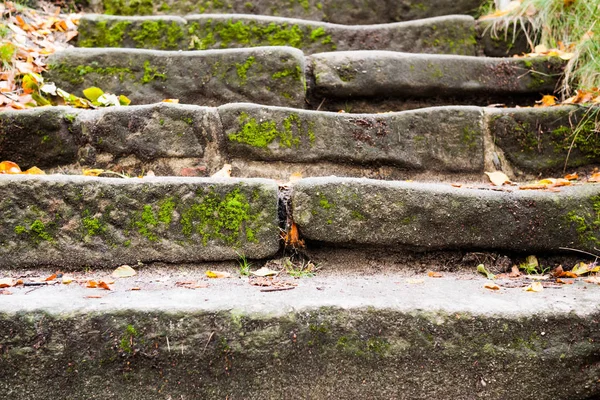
x: 568, y: 25
x: 244, y: 265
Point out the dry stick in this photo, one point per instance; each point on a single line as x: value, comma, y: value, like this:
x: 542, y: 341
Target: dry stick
x: 580, y: 251
x: 322, y: 101
x: 208, y: 341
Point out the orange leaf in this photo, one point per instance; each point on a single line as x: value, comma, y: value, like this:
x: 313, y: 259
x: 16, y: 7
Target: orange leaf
x: 432, y: 274
x: 491, y: 286
x: 533, y: 186
x: 595, y: 177
x: 50, y: 278
x: 572, y: 177
x: 292, y: 237
x: 564, y: 282
x: 93, y: 297
x: 176, y: 101
x: 135, y: 288
x: 546, y: 101
x: 9, y: 167
x: 6, y: 282
x: 92, y: 284
x: 103, y: 285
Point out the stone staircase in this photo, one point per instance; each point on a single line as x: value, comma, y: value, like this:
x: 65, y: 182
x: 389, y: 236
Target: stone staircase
x: 393, y: 187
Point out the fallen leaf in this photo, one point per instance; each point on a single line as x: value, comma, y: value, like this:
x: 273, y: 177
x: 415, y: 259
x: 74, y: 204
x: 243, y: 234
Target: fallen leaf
x: 572, y: 177
x: 534, y: 287
x: 433, y: 274
x: 294, y: 177
x: 514, y: 272
x: 217, y: 274
x: 264, y: 271
x: 7, y: 282
x: 564, y: 281
x: 593, y: 279
x: 124, y: 271
x: 103, y: 285
x: 67, y: 279
x: 93, y: 93
x: 50, y: 278
x: 491, y: 286
x: 34, y: 171
x: 546, y: 101
x: 415, y: 281
x: 224, y: 172
x: 498, y: 178
x: 192, y: 285
x: 582, y: 268
x: 175, y: 101
x: 481, y: 269
x: 135, y: 288
x: 292, y: 239
x: 6, y: 292
x: 595, y: 177
x: 92, y: 172
x: 92, y: 284
x: 9, y: 167
x: 93, y: 297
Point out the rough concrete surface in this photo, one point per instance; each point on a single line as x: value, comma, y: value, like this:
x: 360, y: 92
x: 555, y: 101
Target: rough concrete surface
x: 444, y: 35
x: 435, y: 139
x: 394, y: 74
x: 70, y: 221
x: 347, y: 12
x: 440, y: 216
x: 265, y: 75
x: 377, y: 337
x: 540, y: 139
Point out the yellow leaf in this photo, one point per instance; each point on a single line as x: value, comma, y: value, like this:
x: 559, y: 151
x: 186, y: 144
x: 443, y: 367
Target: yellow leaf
x: 176, y: 101
x: 124, y: 271
x: 92, y: 172
x: 581, y: 268
x: 217, y: 274
x: 432, y: 274
x: 566, y: 56
x: 34, y: 171
x: 498, y: 178
x: 546, y: 101
x: 534, y: 287
x: 67, y: 279
x: 93, y: 93
x: 124, y: 100
x: 491, y: 286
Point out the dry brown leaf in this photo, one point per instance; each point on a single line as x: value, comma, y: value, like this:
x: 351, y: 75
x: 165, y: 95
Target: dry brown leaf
x: 514, y: 272
x: 5, y: 291
x: 135, y: 288
x: 595, y: 177
x: 433, y: 274
x: 292, y: 237
x: 92, y: 284
x: 124, y: 271
x: 93, y: 297
x: 103, y: 285
x: 498, y: 178
x: 34, y: 171
x: 67, y: 279
x: 491, y: 286
x: 217, y: 274
x: 564, y: 281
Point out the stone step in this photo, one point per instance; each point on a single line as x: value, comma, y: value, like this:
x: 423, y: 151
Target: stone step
x: 70, y: 221
x: 274, y: 142
x: 443, y: 35
x: 446, y: 338
x: 279, y: 76
x: 350, y: 12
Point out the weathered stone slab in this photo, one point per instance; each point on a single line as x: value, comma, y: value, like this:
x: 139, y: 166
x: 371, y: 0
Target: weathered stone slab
x: 68, y: 221
x: 153, y: 131
x: 42, y: 137
x: 392, y: 74
x: 265, y: 75
x: 349, y: 12
x: 445, y: 139
x: 439, y: 216
x: 328, y: 338
x: 546, y: 139
x: 444, y: 35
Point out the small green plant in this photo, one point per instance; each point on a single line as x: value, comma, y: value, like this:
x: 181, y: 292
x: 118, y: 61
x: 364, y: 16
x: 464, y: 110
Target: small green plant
x: 7, y: 51
x: 244, y: 265
x: 304, y: 269
x: 531, y: 266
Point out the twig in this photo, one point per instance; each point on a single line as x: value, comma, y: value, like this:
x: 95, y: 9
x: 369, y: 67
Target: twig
x: 168, y: 345
x: 208, y: 341
x: 322, y: 101
x: 277, y: 289
x: 581, y: 251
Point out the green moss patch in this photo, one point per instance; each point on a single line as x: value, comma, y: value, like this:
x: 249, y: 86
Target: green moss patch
x: 261, y: 134
x: 587, y: 223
